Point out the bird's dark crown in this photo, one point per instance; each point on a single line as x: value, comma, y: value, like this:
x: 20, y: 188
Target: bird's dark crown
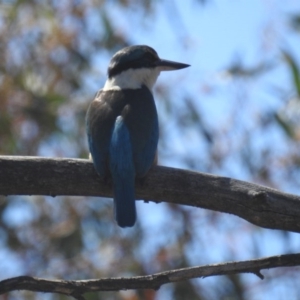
x: 132, y: 57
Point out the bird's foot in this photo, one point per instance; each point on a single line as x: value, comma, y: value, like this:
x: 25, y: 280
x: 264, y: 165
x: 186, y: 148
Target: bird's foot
x: 107, y: 180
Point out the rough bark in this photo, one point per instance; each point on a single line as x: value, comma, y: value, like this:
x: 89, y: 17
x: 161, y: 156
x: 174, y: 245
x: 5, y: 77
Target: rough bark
x: 257, y: 204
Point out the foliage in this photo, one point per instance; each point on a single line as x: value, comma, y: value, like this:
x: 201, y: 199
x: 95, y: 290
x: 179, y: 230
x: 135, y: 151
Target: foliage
x: 53, y: 57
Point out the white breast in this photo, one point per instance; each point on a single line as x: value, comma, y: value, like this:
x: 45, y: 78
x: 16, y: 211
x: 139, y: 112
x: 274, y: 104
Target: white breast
x: 133, y: 79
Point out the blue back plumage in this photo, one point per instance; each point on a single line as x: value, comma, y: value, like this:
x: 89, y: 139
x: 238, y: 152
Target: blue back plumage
x: 144, y: 158
x: 122, y: 128
x: 123, y: 174
x: 122, y: 123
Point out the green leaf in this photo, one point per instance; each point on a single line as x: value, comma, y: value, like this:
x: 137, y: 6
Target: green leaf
x: 284, y: 124
x: 294, y: 70
x: 295, y: 22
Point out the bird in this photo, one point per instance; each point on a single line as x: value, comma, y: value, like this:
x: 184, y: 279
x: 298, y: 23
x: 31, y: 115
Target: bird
x: 122, y: 124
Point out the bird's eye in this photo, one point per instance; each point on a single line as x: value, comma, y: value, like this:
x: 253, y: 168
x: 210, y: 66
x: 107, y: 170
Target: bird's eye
x: 150, y: 59
x: 150, y: 56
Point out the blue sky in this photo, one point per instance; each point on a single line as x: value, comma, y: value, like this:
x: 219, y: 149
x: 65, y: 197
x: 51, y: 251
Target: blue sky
x: 209, y: 38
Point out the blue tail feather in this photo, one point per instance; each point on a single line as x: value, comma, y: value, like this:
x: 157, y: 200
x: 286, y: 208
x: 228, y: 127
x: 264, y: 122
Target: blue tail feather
x: 124, y: 200
x: 123, y: 174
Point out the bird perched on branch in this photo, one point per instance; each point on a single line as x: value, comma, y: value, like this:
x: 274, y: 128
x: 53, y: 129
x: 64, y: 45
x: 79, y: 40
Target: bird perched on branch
x: 122, y: 124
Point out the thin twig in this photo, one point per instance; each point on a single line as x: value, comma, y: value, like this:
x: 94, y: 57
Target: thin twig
x: 76, y: 288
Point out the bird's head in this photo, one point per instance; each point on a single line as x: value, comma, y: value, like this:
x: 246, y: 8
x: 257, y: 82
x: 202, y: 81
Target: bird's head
x: 131, y: 67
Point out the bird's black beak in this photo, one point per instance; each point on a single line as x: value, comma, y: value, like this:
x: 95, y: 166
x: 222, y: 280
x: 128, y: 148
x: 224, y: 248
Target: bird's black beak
x: 168, y: 65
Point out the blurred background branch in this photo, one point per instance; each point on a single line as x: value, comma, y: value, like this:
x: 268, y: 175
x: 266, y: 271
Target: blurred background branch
x: 76, y: 288
x: 235, y: 113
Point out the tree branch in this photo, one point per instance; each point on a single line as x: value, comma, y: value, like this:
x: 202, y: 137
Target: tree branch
x: 257, y: 204
x: 77, y: 288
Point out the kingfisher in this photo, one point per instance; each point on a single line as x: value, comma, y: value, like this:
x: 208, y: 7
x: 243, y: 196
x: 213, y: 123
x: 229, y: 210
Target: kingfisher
x: 122, y: 124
